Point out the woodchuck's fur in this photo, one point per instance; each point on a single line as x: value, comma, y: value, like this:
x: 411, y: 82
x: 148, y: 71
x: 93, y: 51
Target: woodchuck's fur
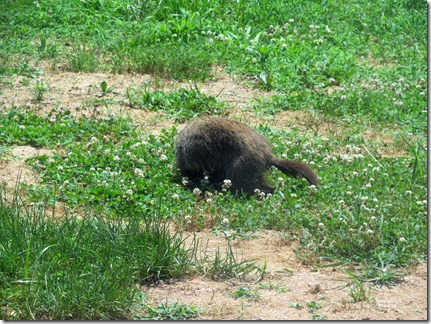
x: 230, y: 150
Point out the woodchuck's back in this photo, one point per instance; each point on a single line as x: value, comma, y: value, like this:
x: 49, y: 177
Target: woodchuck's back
x: 211, y: 144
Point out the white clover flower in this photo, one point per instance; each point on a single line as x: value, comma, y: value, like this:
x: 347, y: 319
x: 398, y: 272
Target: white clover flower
x: 368, y: 185
x: 293, y: 195
x: 370, y: 231
x: 225, y: 221
x: 163, y: 157
x: 402, y: 239
x: 66, y: 182
x: 409, y: 192
x: 60, y: 167
x: 197, y: 192
x: 291, y: 20
x: 175, y: 196
x: 21, y: 127
x: 284, y: 45
x: 116, y: 158
x: 185, y: 181
x: 226, y: 184
x: 321, y: 224
x: 364, y: 207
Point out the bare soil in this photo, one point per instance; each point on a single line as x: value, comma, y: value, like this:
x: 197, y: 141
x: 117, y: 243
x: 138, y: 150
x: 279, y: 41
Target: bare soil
x: 303, y: 284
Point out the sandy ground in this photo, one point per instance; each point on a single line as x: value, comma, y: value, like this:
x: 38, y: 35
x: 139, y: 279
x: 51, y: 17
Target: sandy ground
x: 302, y: 284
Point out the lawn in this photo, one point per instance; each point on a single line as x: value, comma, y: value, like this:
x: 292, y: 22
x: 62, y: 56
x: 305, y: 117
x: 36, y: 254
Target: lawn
x: 353, y: 74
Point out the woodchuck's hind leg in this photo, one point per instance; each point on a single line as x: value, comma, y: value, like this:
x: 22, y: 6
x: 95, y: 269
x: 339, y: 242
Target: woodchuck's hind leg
x: 247, y: 180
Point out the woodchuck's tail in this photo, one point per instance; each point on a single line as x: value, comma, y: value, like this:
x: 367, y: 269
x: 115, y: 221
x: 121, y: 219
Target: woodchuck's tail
x: 297, y: 169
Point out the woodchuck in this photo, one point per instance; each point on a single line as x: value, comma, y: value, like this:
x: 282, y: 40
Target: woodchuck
x: 228, y: 150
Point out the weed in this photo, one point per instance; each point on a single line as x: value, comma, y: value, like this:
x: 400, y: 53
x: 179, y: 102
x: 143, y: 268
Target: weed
x: 313, y: 306
x: 82, y: 58
x: 358, y: 292
x: 296, y: 305
x: 226, y: 266
x: 180, y: 104
x: 39, y: 90
x: 171, y: 311
x: 277, y: 287
x: 244, y: 292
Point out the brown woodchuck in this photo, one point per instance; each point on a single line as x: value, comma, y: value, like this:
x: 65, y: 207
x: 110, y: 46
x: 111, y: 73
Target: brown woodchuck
x: 226, y: 149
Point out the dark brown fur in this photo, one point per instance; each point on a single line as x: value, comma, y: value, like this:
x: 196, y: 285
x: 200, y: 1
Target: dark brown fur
x: 227, y: 149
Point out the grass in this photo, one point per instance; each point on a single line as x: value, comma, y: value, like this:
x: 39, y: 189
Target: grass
x: 356, y: 69
x: 80, y: 268
x: 182, y: 104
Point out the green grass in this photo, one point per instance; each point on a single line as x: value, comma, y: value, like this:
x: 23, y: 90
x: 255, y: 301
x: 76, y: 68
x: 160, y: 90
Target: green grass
x: 54, y: 268
x: 358, y: 67
x: 182, y: 104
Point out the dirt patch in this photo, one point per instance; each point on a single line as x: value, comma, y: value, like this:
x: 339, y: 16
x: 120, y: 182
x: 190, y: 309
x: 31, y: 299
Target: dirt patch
x: 80, y: 93
x: 13, y: 169
x: 290, y: 290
